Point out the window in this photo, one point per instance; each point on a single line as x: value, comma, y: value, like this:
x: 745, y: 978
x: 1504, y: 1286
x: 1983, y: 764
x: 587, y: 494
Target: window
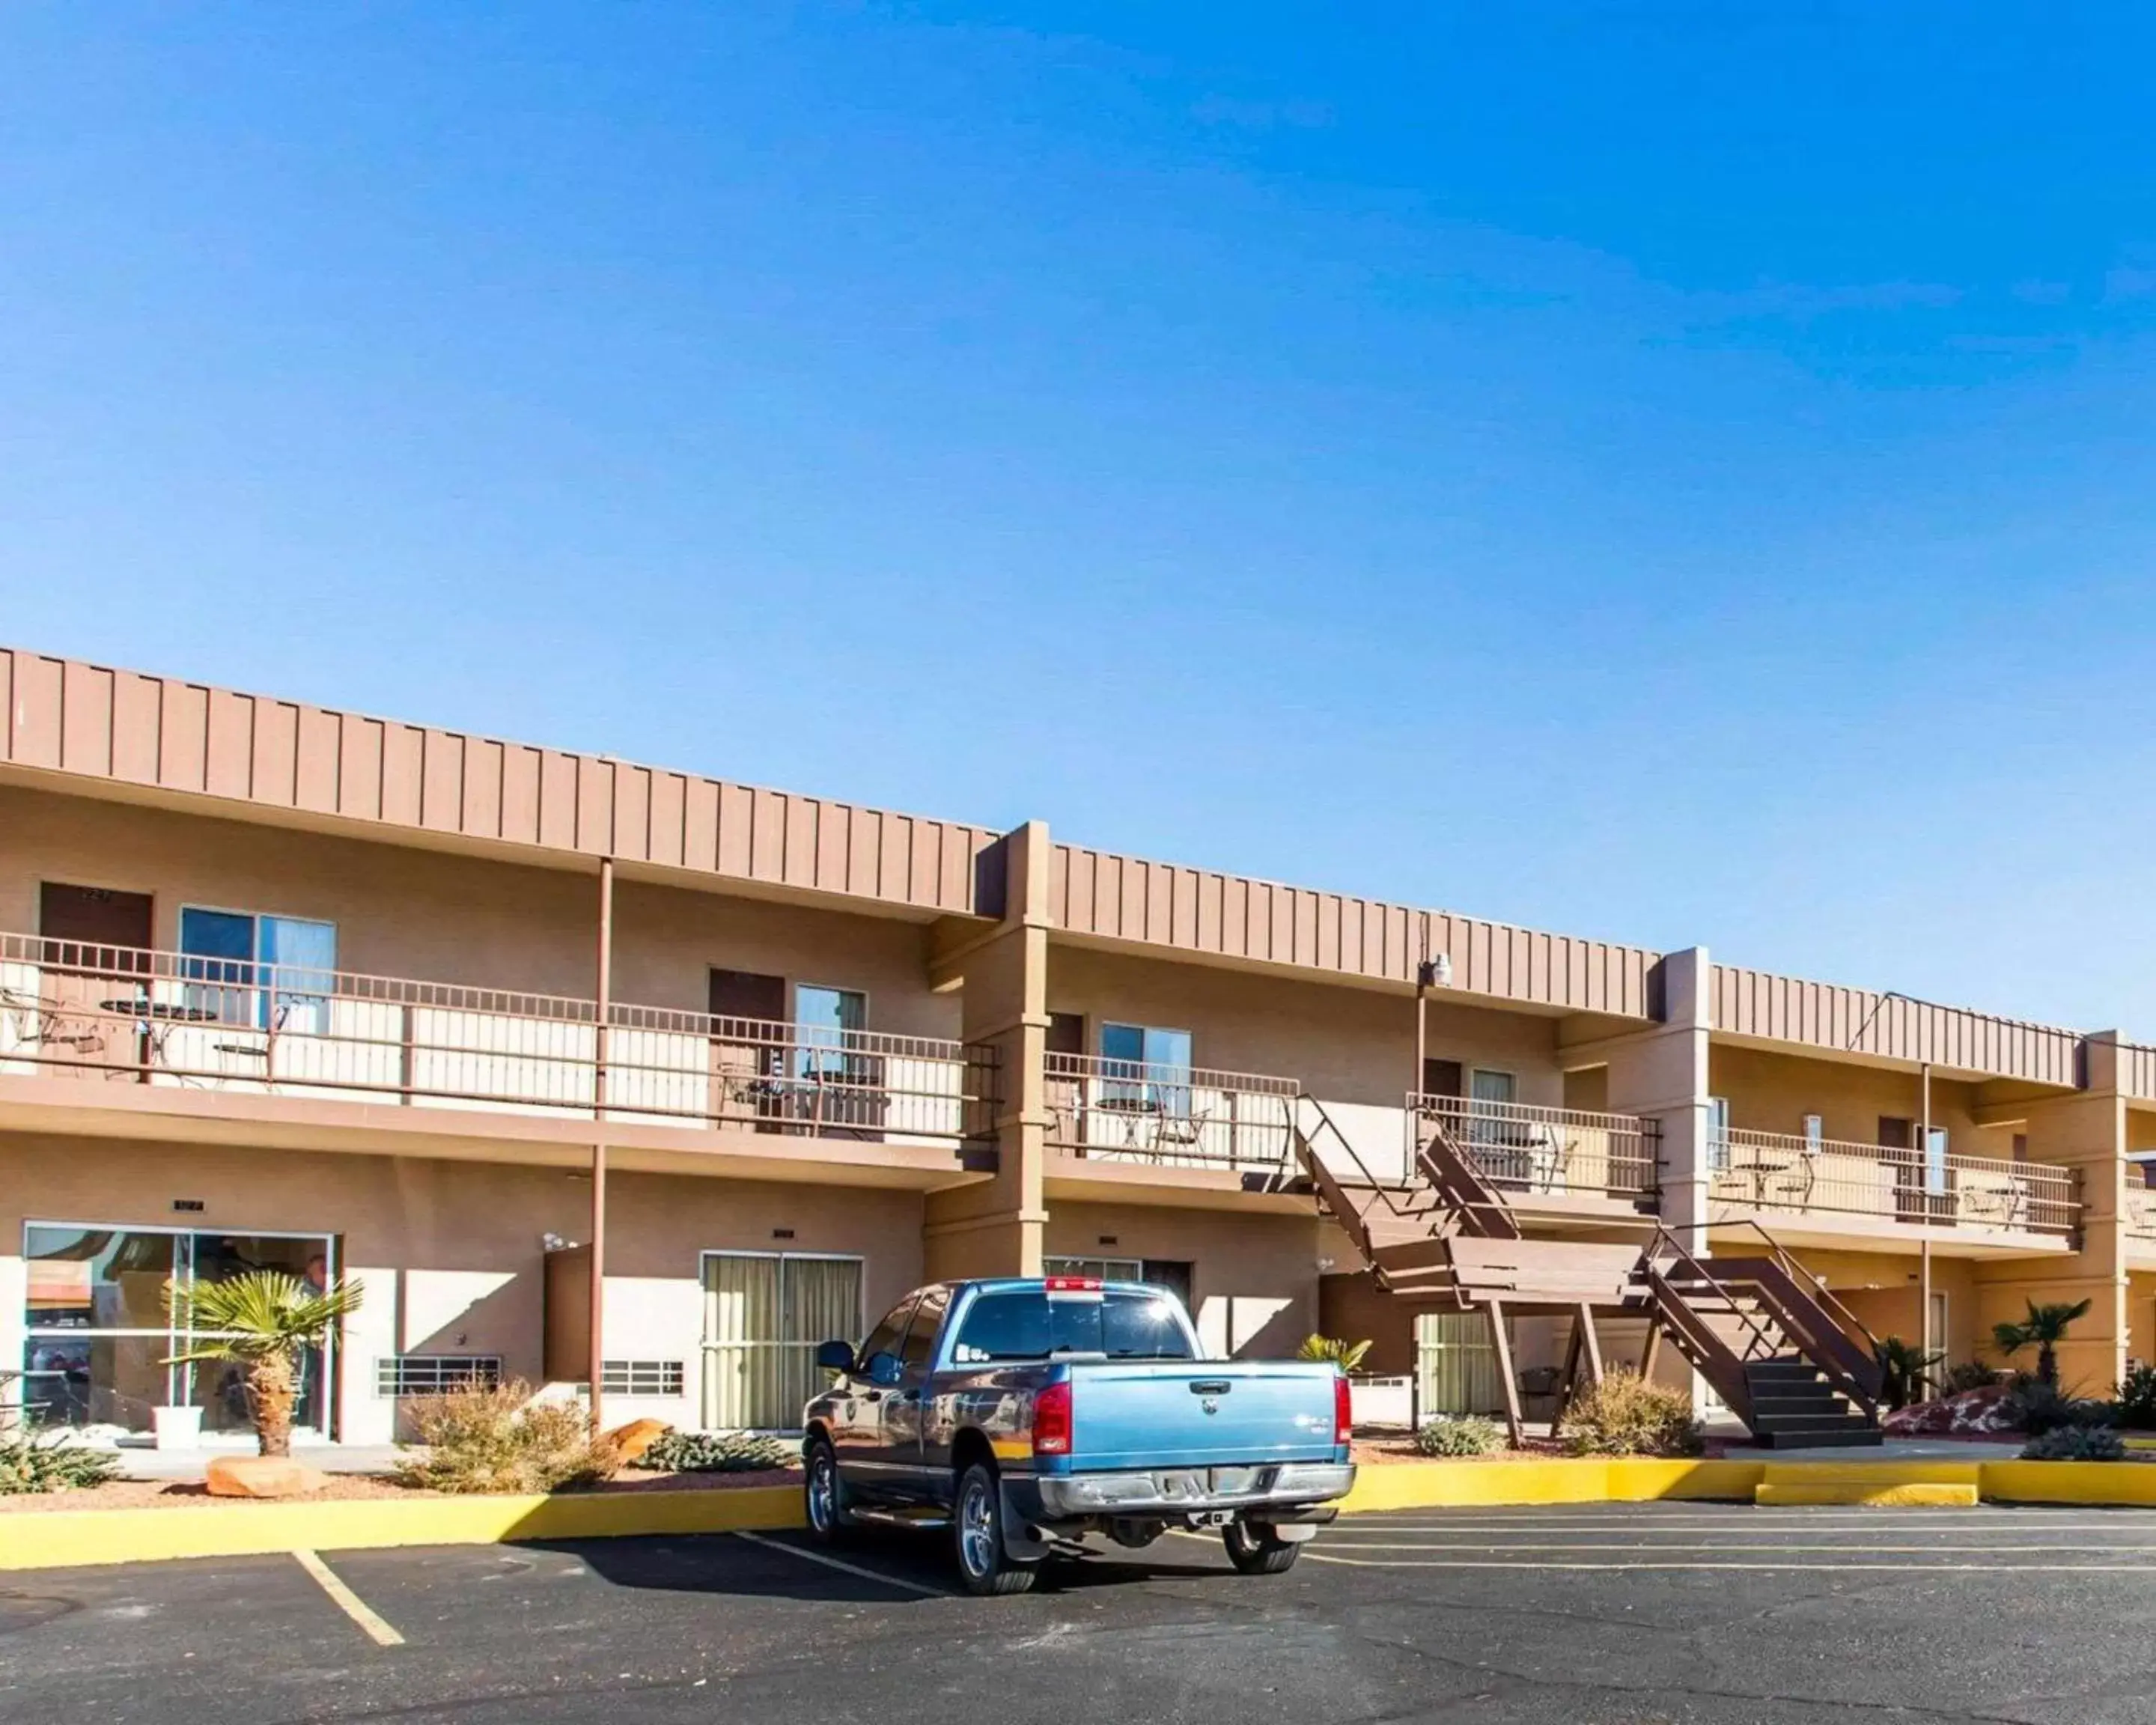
x: 1024, y: 1325
x: 1144, y: 1067
x: 276, y: 972
x: 827, y: 1021
x: 404, y: 1374
x: 643, y: 1377
x: 1935, y: 1160
x: 1490, y: 1124
x: 1815, y: 1134
x: 1100, y: 1268
x: 888, y: 1336
x: 1717, y: 1133
x: 920, y: 1334
x: 764, y: 1314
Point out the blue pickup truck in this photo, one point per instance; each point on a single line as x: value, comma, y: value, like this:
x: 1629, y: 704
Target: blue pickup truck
x: 1017, y: 1416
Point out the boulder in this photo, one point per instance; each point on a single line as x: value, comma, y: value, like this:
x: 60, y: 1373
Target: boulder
x: 631, y: 1440
x: 262, y: 1476
x: 1972, y: 1413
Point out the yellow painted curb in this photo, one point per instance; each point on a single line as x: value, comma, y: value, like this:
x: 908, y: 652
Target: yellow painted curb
x: 2120, y: 1484
x: 41, y: 1539
x: 1880, y: 1497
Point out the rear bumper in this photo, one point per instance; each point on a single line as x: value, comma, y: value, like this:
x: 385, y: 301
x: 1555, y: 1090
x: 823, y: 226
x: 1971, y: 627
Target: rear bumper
x: 1301, y: 1491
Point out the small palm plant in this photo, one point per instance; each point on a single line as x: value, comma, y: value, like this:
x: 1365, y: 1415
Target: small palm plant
x: 263, y: 1321
x: 1905, y: 1372
x: 2044, y: 1329
x: 1346, y: 1355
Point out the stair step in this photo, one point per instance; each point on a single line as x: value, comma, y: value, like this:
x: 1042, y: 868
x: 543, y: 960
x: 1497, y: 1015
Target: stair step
x: 1869, y: 1437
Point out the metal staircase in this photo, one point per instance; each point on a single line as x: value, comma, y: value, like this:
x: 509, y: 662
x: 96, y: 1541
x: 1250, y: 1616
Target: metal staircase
x: 1779, y: 1349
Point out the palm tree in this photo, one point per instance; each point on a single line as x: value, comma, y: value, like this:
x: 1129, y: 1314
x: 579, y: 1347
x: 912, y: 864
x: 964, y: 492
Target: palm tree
x: 2044, y: 1328
x: 1346, y: 1355
x: 1905, y: 1372
x: 262, y: 1321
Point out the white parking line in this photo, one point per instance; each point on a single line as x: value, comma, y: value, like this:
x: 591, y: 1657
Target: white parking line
x: 1840, y: 1568
x: 839, y: 1563
x: 1729, y: 1545
x: 357, y: 1609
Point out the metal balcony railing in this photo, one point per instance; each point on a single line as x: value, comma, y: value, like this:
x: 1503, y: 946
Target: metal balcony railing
x: 2140, y: 1211
x: 1525, y: 1149
x: 1129, y: 1110
x: 122, y: 1015
x: 1751, y: 1172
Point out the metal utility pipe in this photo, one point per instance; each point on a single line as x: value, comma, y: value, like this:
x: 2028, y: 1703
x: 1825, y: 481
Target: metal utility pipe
x: 1924, y: 1185
x: 596, y: 1365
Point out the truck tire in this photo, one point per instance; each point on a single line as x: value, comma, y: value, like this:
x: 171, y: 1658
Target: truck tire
x: 977, y: 1536
x: 1255, y: 1549
x: 824, y: 1494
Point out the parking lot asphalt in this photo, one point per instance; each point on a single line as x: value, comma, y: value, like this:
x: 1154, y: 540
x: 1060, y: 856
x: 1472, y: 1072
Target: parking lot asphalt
x: 1603, y: 1615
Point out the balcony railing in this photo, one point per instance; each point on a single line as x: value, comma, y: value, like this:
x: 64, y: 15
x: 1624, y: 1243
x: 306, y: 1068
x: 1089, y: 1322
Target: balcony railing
x: 1522, y: 1148
x: 128, y: 1015
x: 1186, y: 1116
x: 1753, y: 1171
x: 2140, y: 1213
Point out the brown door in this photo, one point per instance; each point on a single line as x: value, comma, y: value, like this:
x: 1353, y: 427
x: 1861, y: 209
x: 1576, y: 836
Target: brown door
x: 1066, y: 1082
x: 92, y: 962
x: 1897, y: 1137
x: 749, y: 1054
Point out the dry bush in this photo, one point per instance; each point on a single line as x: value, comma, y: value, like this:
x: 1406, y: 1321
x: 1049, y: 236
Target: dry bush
x: 1626, y: 1415
x: 496, y: 1438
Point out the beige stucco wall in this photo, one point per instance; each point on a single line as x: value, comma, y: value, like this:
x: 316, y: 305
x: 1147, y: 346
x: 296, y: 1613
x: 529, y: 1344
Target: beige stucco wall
x: 1771, y: 1092
x: 1254, y: 1279
x: 452, y: 1252
x: 437, y: 918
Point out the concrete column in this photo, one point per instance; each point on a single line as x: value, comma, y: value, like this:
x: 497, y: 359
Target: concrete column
x: 2086, y: 1132
x: 1661, y: 1075
x: 995, y: 1227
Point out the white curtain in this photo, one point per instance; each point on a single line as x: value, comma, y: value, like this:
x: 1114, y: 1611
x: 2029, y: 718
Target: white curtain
x: 763, y: 1319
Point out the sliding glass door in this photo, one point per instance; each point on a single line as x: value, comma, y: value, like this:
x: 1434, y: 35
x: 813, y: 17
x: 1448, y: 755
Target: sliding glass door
x: 764, y: 1312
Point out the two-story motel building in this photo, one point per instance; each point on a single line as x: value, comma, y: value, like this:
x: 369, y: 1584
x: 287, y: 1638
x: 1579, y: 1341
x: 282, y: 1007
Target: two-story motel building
x: 286, y: 986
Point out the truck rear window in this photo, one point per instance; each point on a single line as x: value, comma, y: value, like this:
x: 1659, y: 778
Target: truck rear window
x: 1026, y: 1325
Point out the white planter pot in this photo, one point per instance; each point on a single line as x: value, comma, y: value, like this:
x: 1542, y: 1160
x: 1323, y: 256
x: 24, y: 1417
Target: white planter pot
x: 176, y: 1428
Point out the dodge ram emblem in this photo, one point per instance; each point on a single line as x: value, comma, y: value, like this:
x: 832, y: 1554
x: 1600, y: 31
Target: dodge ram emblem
x: 1209, y: 1405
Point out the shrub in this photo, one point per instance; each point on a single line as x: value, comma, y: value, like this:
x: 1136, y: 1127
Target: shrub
x: 27, y: 1465
x: 2137, y: 1398
x: 1969, y: 1374
x: 2076, y: 1443
x: 1905, y: 1372
x: 2036, y: 1407
x: 716, y: 1452
x: 495, y: 1438
x: 1346, y: 1355
x: 1625, y: 1415
x: 1458, y: 1435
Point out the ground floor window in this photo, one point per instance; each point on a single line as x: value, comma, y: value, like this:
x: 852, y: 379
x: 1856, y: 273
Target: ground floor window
x: 1456, y: 1368
x: 98, y: 1338
x: 764, y: 1312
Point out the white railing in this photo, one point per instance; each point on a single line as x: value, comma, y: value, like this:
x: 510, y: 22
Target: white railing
x: 2140, y: 1211
x: 1524, y: 1148
x: 1750, y: 1172
x: 1128, y: 1111
x: 132, y: 1015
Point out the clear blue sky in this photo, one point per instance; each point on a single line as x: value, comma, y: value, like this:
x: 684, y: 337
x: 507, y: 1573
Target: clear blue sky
x: 1675, y: 472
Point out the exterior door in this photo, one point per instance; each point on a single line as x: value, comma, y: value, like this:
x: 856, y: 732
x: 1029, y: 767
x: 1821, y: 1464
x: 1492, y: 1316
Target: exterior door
x: 1456, y: 1365
x: 857, y: 1433
x: 92, y: 969
x: 748, y: 1011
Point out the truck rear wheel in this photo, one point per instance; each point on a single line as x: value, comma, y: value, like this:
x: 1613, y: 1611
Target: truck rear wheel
x: 1255, y: 1549
x: 977, y: 1536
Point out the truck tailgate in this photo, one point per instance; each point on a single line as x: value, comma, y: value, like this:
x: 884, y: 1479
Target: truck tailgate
x: 1192, y: 1415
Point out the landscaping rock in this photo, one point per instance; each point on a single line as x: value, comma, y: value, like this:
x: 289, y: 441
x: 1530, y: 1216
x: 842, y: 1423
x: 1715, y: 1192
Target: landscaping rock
x: 631, y: 1440
x: 262, y: 1476
x: 1975, y: 1412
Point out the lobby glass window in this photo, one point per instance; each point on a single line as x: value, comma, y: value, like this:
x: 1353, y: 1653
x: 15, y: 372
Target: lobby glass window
x: 764, y: 1314
x: 97, y: 1335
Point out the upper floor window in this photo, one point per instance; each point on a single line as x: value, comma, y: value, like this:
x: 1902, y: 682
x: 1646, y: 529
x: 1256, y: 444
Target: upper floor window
x: 825, y: 1020
x: 1717, y: 1133
x: 276, y: 972
x: 1145, y: 1067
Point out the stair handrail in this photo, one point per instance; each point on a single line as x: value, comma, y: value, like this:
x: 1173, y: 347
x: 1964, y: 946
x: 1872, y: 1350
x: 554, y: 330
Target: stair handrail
x: 1664, y: 1234
x: 1836, y: 1312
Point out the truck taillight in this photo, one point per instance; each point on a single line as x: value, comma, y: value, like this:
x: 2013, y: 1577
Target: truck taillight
x: 1343, y: 1409
x: 1051, y: 1421
x: 1072, y: 1284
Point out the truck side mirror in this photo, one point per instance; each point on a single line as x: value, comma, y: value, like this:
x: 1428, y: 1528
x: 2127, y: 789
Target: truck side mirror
x: 835, y: 1357
x: 884, y: 1370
